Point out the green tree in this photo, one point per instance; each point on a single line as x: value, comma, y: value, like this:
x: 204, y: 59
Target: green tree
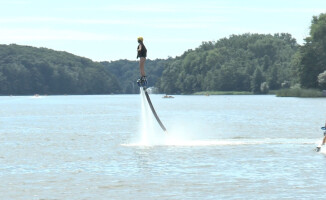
x: 313, y: 53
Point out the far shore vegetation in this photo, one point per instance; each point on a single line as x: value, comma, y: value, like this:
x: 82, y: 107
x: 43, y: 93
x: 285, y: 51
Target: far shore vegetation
x: 287, y: 92
x: 207, y: 93
x: 251, y: 63
x: 299, y: 92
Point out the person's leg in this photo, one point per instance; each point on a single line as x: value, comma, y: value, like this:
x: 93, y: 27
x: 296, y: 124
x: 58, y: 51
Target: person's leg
x: 142, y: 66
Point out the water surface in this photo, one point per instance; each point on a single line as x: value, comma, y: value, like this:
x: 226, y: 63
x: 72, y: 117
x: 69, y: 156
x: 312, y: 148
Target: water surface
x: 218, y: 147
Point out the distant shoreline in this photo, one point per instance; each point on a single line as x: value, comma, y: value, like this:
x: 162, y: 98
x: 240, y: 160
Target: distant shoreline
x: 290, y: 92
x: 207, y: 93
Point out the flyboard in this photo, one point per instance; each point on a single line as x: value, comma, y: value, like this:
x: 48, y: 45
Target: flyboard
x: 318, y: 148
x: 142, y: 83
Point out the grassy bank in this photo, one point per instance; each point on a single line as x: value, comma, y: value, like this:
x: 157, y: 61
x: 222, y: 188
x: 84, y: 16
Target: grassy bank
x: 298, y: 92
x: 223, y: 93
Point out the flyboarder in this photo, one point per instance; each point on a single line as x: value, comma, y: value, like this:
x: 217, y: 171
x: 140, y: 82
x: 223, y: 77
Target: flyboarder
x: 142, y: 82
x: 141, y: 53
x: 324, y: 139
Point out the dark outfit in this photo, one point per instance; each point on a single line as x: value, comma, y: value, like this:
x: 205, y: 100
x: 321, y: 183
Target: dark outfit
x: 142, y: 52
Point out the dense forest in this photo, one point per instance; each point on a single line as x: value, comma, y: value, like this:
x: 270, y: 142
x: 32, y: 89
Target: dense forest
x: 249, y: 62
x: 29, y: 70
x: 238, y: 63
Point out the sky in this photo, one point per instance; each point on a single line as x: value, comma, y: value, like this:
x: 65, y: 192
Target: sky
x: 107, y: 30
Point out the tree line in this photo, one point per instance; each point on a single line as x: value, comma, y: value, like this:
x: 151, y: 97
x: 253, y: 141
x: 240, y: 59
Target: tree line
x: 251, y: 62
x: 26, y: 70
x: 29, y: 70
x: 238, y: 63
x: 247, y: 62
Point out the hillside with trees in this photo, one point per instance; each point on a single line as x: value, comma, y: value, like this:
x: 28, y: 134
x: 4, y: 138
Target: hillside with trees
x: 248, y: 62
x: 28, y: 70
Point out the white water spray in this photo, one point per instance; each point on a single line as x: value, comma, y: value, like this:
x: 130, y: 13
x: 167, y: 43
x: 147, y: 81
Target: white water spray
x: 149, y: 132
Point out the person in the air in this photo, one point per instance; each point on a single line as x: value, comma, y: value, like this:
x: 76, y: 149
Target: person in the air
x: 141, y: 53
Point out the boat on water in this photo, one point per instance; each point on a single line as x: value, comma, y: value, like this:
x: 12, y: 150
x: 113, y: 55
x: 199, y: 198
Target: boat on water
x: 166, y: 96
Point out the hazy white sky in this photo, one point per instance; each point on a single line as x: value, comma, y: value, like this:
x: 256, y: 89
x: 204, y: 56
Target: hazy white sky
x: 105, y: 30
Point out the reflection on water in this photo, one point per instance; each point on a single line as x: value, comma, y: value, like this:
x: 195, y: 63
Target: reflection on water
x: 92, y: 147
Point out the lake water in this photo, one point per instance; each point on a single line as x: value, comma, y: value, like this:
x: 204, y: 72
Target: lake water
x: 217, y: 147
